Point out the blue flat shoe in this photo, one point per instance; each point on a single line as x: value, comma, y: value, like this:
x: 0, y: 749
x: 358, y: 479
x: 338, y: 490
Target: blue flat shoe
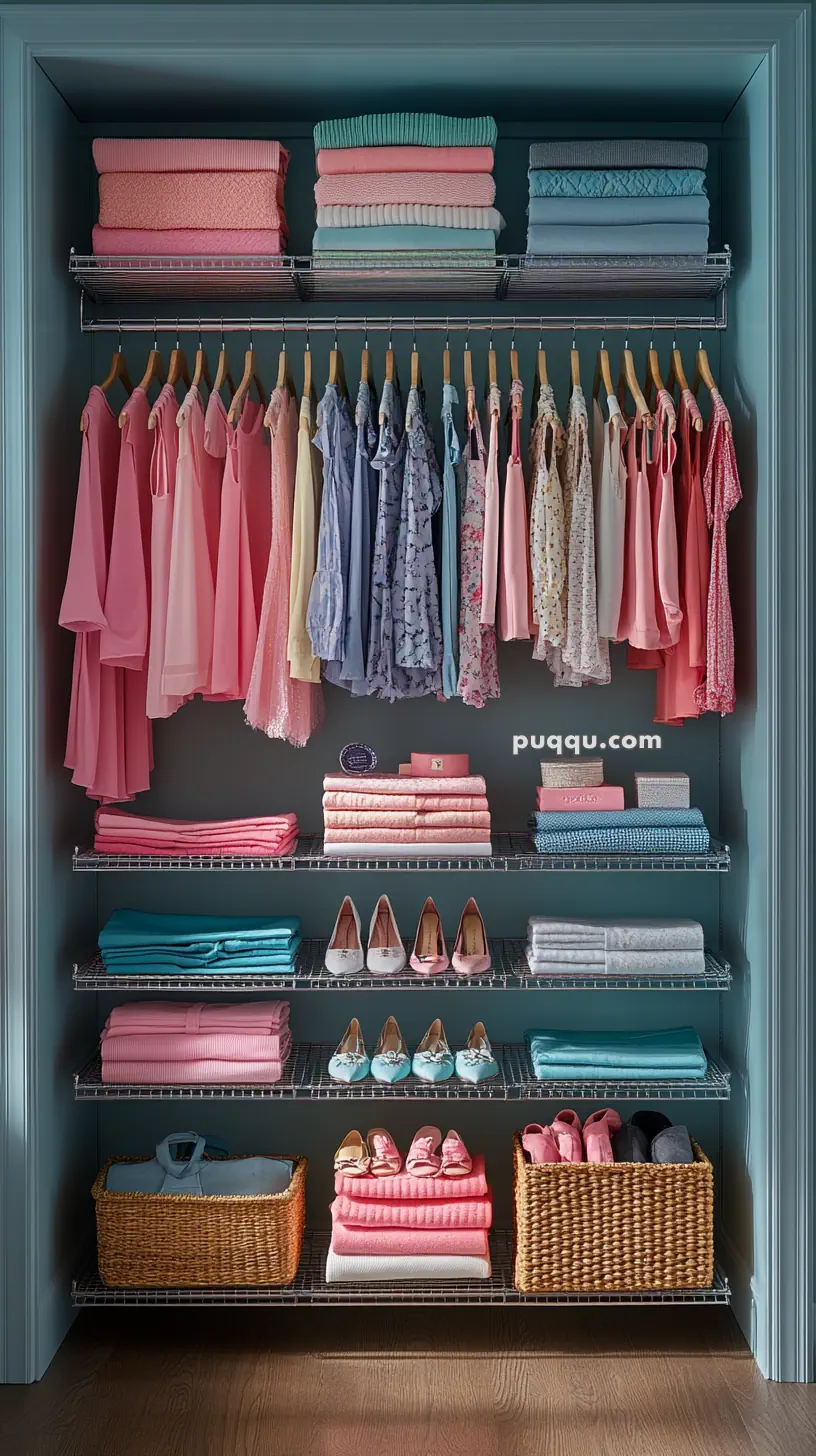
x: 390, y: 1062
x: 350, y: 1062
x: 476, y: 1062
x: 433, y: 1058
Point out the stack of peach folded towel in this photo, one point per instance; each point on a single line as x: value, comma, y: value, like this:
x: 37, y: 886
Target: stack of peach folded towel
x: 405, y: 1227
x: 118, y: 832
x: 404, y: 815
x: 179, y: 1044
x: 190, y: 196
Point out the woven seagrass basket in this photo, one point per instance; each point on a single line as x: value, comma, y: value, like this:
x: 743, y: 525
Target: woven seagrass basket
x: 148, y: 1240
x: 612, y: 1226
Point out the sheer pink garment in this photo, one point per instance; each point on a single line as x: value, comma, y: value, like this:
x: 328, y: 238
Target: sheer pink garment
x: 722, y: 492
x: 243, y: 554
x: 281, y: 706
x: 127, y: 597
x: 668, y: 613
x: 163, y: 464
x: 514, y: 582
x: 490, y: 549
x: 638, y: 621
x: 188, y: 644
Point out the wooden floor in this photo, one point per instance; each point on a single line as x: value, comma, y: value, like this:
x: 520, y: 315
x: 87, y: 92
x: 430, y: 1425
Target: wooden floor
x: 438, y: 1382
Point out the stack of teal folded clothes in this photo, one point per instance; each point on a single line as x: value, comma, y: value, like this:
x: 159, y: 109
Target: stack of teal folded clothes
x: 617, y: 1056
x: 136, y: 942
x: 409, y: 188
x: 618, y: 197
x: 621, y: 831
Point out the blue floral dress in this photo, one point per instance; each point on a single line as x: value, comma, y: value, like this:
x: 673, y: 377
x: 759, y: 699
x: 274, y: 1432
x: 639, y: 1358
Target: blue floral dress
x: 450, y: 554
x: 415, y: 590
x: 389, y: 461
x: 363, y: 519
x: 326, y: 616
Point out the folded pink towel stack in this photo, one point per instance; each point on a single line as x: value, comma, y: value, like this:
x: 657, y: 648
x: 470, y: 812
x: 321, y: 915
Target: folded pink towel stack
x: 404, y: 813
x: 190, y: 196
x: 190, y: 1043
x: 382, y: 1218
x: 118, y: 832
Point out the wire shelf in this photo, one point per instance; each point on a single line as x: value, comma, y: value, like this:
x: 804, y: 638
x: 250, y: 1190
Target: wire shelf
x: 509, y: 972
x: 511, y: 851
x: 306, y: 1078
x: 309, y: 1287
x: 715, y: 1086
x: 409, y: 276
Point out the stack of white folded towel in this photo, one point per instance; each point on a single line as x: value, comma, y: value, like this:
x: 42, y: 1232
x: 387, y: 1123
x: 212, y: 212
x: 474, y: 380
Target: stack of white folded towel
x: 610, y: 947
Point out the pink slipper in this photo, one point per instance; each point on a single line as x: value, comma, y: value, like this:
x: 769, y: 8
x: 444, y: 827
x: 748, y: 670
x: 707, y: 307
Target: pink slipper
x: 386, y: 1158
x: 566, y: 1128
x: 598, y: 1130
x: 539, y: 1143
x: 423, y: 1160
x: 456, y: 1160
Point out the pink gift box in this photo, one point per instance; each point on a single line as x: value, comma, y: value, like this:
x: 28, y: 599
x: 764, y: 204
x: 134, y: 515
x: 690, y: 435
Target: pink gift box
x: 606, y: 796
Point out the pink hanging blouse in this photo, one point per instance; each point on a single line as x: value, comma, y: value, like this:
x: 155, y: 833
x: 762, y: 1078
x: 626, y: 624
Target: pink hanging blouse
x: 163, y: 464
x: 681, y: 671
x: 638, y: 620
x: 191, y: 589
x: 490, y: 549
x: 243, y: 554
x: 721, y: 492
x: 514, y: 583
x: 127, y: 597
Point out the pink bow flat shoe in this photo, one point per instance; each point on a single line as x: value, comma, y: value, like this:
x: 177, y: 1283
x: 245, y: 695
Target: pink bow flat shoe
x: 456, y: 1160
x: 384, y: 1155
x: 423, y: 1160
x: 566, y: 1128
x: 598, y: 1131
x: 471, y: 956
x: 430, y: 954
x: 539, y: 1144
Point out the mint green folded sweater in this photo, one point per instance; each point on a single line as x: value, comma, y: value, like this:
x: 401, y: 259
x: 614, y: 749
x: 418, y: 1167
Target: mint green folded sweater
x: 406, y: 129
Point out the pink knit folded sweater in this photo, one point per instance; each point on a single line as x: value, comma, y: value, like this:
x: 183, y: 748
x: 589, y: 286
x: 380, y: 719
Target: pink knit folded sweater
x: 407, y: 819
x: 403, y: 1186
x: 473, y: 1213
x: 188, y: 242
x: 334, y: 160
x: 415, y: 803
x: 188, y: 154
x: 191, y: 200
x: 191, y: 1074
x: 463, y: 189
x: 346, y: 1240
x: 403, y: 784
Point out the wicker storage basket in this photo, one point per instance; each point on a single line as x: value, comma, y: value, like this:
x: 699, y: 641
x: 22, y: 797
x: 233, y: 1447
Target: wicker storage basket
x: 595, y: 1226
x: 153, y: 1239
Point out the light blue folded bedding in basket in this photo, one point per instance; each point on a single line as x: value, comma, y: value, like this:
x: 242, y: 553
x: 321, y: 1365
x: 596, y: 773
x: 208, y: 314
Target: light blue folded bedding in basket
x: 224, y: 1176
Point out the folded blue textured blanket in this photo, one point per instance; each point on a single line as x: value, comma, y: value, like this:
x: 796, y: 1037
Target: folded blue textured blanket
x: 639, y: 182
x: 675, y: 1052
x: 623, y: 841
x: 617, y: 818
x: 617, y: 211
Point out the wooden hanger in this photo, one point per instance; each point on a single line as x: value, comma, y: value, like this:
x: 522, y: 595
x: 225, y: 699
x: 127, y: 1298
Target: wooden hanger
x: 222, y: 373
x: 541, y: 368
x: 702, y: 374
x: 575, y: 367
x: 654, y: 380
x: 177, y: 368
x: 201, y: 370
x: 468, y: 360
x: 492, y: 372
x: 337, y: 373
x: 154, y: 371
x: 677, y: 375
x: 284, y: 379
x: 250, y: 377
x: 603, y: 374
x: 309, y: 391
x: 629, y: 377
x: 366, y: 372
x: 446, y: 366
x: 118, y: 370
x: 416, y: 372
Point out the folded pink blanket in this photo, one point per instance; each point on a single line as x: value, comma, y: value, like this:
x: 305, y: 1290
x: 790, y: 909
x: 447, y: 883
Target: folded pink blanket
x: 145, y: 1017
x: 189, y: 242
x: 407, y: 819
x: 403, y: 836
x: 142, y: 824
x: 332, y: 161
x: 191, y: 1074
x: 216, y: 1046
x: 393, y: 803
x: 463, y: 189
x: 118, y: 832
x: 403, y: 784
x: 347, y: 1240
x: 402, y: 1186
x: 473, y: 1213
x: 188, y: 154
x: 191, y: 200
x: 248, y: 849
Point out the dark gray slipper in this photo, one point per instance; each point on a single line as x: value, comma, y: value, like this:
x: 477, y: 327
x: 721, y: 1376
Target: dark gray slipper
x: 630, y: 1145
x: 672, y: 1145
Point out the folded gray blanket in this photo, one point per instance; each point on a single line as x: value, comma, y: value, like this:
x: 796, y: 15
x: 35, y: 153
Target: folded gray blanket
x: 615, y: 211
x: 619, y: 153
x: 642, y: 933
x: 640, y: 239
x: 620, y: 962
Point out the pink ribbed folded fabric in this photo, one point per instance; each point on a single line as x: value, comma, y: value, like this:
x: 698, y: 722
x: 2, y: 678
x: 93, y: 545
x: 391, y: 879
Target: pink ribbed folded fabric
x: 216, y: 1046
x: 332, y: 161
x: 403, y: 784
x: 135, y: 824
x: 191, y: 200
x: 188, y: 154
x: 473, y: 1213
x: 118, y: 832
x: 347, y: 1240
x: 370, y: 818
x: 189, y: 242
x: 402, y: 1186
x: 463, y: 189
x: 394, y: 803
x: 191, y: 1074
x: 138, y: 1018
x: 404, y: 836
x: 247, y: 849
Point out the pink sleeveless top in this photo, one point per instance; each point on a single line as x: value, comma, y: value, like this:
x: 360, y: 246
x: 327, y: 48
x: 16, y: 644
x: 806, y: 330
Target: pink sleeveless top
x: 163, y: 464
x: 191, y: 588
x: 514, y: 583
x: 681, y: 671
x: 638, y: 620
x: 243, y: 553
x: 127, y: 597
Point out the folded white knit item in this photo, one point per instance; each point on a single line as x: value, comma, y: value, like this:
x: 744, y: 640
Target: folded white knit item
x: 621, y: 962
x: 425, y: 214
x: 642, y: 933
x: 441, y: 850
x: 374, y: 1268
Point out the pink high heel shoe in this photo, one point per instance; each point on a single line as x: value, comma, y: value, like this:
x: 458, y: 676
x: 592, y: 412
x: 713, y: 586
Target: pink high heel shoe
x: 430, y: 954
x: 471, y: 956
x: 566, y: 1128
x: 598, y: 1130
x: 539, y: 1144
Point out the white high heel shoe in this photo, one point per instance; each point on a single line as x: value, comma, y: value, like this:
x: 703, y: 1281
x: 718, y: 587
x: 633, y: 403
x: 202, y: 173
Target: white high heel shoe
x: 344, y: 956
x: 386, y: 952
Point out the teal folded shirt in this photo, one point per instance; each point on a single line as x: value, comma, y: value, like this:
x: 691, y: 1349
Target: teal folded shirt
x: 617, y: 182
x: 616, y: 1055
x: 138, y: 940
x: 406, y: 129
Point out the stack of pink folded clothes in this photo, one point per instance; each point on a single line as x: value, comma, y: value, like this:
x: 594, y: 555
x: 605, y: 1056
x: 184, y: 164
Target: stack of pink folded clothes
x: 179, y: 1044
x: 405, y: 1227
x: 405, y: 815
x: 190, y: 196
x: 118, y: 832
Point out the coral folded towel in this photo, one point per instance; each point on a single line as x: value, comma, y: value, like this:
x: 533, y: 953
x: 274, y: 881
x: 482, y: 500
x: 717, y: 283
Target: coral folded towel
x: 335, y: 799
x: 465, y: 1242
x: 357, y: 189
x: 425, y: 835
x: 193, y: 242
x: 349, y: 160
x: 191, y: 200
x: 188, y: 154
x: 452, y: 1213
x: 405, y: 819
x: 120, y: 833
x: 385, y: 847
x: 182, y: 1042
x: 403, y: 1186
x: 403, y: 784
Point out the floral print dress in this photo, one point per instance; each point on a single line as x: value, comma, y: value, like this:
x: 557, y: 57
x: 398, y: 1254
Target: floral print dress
x: 415, y: 589
x: 548, y: 544
x: 584, y: 658
x: 326, y: 617
x: 478, y: 666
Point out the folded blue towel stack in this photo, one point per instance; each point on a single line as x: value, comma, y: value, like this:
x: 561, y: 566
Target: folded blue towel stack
x: 618, y: 197
x: 617, y: 1056
x: 624, y: 831
x: 136, y: 942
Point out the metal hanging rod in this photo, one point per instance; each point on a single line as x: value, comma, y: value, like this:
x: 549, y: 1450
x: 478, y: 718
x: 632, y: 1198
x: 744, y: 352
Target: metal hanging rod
x: 410, y: 325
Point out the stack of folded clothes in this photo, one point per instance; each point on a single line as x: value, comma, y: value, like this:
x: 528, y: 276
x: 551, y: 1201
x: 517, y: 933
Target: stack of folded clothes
x: 617, y: 1056
x: 626, y: 831
x: 408, y: 187
x: 159, y: 1043
x: 118, y: 832
x: 405, y: 1227
x: 196, y: 196
x: 635, y: 197
x: 614, y: 947
x: 403, y: 815
x: 137, y: 942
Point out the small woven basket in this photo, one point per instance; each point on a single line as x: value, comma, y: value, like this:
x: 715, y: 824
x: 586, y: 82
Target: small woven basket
x: 149, y: 1240
x: 612, y: 1226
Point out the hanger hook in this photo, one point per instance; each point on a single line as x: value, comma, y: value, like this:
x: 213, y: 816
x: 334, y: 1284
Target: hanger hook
x: 119, y: 338
x: 250, y: 334
x: 308, y: 336
x: 178, y: 333
x: 490, y: 344
x: 283, y: 335
x: 467, y: 336
x: 447, y: 333
x: 222, y: 333
x: 156, y: 335
x: 365, y: 333
x: 573, y: 332
x: 674, y: 333
x: 413, y: 334
x: 390, y: 327
x: 335, y: 333
x: 200, y: 343
x: 541, y: 332
x: 513, y: 334
x: 626, y: 338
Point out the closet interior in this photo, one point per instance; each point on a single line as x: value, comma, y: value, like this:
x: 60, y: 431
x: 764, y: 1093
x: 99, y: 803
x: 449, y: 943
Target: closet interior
x: 447, y: 324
